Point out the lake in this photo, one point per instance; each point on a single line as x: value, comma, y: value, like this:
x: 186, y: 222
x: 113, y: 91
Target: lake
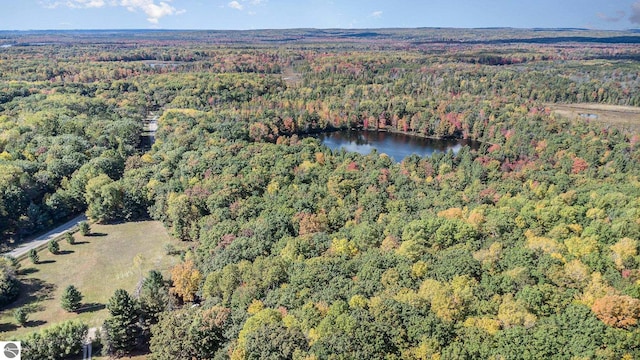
x: 397, y: 145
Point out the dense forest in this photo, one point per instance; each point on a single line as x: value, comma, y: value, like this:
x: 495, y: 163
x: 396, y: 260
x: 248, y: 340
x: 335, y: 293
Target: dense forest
x: 526, y: 248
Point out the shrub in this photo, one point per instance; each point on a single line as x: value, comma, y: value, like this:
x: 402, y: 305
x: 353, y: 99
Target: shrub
x: 170, y: 249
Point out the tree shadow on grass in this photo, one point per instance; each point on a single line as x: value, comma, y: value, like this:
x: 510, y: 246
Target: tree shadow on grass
x: 29, y: 271
x: 44, y: 262
x: 6, y: 327
x: 31, y: 292
x: 65, y: 252
x: 34, y: 323
x: 97, y: 234
x: 35, y: 290
x: 90, y: 307
x: 81, y: 242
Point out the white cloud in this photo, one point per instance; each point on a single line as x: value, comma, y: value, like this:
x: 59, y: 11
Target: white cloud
x: 235, y: 5
x: 49, y: 4
x: 76, y: 4
x: 153, y: 9
x: 246, y: 4
x: 376, y: 14
x: 615, y: 18
x: 87, y: 3
x: 635, y: 13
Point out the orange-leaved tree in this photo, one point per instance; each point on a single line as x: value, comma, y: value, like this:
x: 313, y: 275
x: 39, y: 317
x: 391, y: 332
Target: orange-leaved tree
x: 619, y: 311
x: 186, y: 280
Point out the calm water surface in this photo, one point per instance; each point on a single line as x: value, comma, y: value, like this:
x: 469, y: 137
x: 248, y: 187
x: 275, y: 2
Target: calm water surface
x: 397, y: 146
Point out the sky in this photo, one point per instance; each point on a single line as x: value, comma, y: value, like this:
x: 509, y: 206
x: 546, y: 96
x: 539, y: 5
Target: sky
x: 278, y: 14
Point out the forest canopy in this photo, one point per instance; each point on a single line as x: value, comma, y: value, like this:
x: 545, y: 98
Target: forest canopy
x: 524, y: 248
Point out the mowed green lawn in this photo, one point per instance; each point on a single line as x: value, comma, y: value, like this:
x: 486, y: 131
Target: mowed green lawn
x: 114, y: 257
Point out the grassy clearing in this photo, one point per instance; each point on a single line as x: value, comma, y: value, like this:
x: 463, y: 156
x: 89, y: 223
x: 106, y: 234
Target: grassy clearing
x: 115, y: 256
x: 626, y: 118
x: 291, y: 76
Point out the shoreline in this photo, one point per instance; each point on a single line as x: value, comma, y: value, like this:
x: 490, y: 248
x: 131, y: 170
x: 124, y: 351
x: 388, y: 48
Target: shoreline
x: 388, y: 130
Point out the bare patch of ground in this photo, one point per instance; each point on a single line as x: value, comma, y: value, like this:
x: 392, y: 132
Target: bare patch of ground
x: 626, y: 118
x: 291, y: 77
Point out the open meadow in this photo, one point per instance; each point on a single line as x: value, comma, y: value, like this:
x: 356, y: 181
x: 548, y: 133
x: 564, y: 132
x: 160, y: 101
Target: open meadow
x: 626, y: 118
x: 113, y: 257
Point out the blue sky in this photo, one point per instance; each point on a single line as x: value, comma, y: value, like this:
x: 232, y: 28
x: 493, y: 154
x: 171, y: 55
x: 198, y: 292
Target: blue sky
x: 270, y: 14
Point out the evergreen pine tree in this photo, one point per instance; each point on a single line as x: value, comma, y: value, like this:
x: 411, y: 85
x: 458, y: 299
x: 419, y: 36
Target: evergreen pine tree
x: 71, y: 298
x: 70, y: 239
x: 122, y: 327
x: 84, y: 227
x: 54, y: 247
x: 33, y: 255
x: 21, y: 315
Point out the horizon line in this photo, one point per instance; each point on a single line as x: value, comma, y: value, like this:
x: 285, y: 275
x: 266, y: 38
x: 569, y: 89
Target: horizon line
x: 335, y: 28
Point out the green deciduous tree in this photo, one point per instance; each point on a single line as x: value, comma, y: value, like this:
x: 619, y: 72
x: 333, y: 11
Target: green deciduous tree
x: 55, y: 342
x: 104, y: 198
x: 275, y: 342
x: 193, y: 333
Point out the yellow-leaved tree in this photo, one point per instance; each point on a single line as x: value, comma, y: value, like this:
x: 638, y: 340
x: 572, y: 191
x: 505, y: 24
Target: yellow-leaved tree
x: 514, y: 312
x: 623, y: 249
x: 186, y: 280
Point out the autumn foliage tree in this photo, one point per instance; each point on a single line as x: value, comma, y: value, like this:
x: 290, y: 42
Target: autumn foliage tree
x: 186, y: 280
x: 619, y: 311
x: 622, y: 250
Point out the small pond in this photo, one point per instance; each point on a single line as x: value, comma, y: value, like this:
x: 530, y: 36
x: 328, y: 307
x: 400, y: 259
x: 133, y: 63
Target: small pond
x: 398, y: 146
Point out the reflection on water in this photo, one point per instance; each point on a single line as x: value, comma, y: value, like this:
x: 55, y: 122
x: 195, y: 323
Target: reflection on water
x: 397, y: 146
